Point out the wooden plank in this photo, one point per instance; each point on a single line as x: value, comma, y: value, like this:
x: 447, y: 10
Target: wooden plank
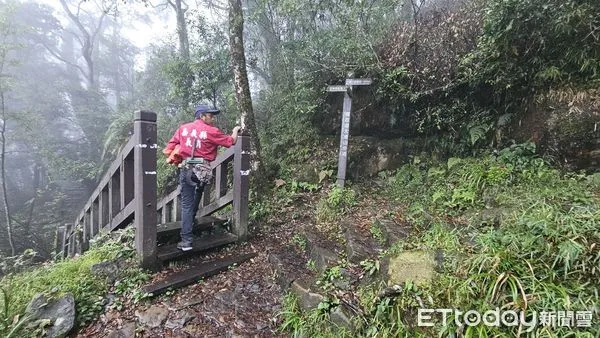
x: 217, y: 205
x: 128, y: 181
x: 115, y: 195
x: 201, y: 223
x: 169, y: 252
x: 168, y: 198
x: 183, y: 278
x: 123, y: 217
x: 221, y: 180
x: 144, y: 175
x: 104, y: 208
x: 223, y: 157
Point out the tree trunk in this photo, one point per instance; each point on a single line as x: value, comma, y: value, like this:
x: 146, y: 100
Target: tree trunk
x: 9, y: 229
x: 242, y: 87
x: 87, y: 41
x: 184, y: 51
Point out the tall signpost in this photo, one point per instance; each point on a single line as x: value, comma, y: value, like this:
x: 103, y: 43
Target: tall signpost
x: 345, y: 134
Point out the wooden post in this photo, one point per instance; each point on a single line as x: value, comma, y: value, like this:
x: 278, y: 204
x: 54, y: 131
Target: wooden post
x: 221, y: 180
x: 95, y: 219
x: 114, y: 195
x: 241, y: 185
x: 103, y: 205
x: 72, y: 235
x: 65, y: 241
x: 345, y: 133
x: 144, y: 130
x: 85, y: 234
x: 60, y: 241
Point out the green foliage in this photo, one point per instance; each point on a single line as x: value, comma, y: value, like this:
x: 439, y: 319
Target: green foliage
x: 74, y: 276
x: 312, y: 323
x: 499, y: 55
x: 539, y: 253
x: 528, y: 45
x: 337, y: 202
x: 370, y: 266
x: 300, y: 241
x: 376, y: 232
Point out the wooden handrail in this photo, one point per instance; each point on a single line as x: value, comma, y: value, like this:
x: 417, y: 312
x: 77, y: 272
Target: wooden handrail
x: 127, y: 192
x: 124, y: 193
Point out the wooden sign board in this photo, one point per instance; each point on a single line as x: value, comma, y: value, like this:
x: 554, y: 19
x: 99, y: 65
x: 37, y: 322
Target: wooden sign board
x: 345, y: 133
x: 340, y: 88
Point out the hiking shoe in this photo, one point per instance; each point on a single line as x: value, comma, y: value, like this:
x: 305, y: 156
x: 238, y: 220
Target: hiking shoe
x: 184, y: 246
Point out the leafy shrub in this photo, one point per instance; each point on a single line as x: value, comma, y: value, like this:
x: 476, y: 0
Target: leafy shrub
x: 541, y: 256
x: 70, y: 275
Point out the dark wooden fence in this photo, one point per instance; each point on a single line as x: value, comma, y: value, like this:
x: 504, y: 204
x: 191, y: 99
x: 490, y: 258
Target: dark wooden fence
x: 127, y: 193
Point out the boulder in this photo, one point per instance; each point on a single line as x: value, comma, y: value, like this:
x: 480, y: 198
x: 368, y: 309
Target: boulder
x: 59, y: 312
x: 416, y: 266
x: 155, y: 316
x: 107, y: 269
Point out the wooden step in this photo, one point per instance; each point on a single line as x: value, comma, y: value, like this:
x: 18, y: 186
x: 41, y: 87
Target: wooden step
x: 202, y: 223
x: 183, y: 278
x: 168, y: 252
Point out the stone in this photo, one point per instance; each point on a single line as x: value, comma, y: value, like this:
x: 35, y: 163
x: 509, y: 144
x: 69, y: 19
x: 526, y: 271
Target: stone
x: 287, y: 265
x: 179, y: 322
x: 358, y: 246
x: 321, y: 255
x: 308, y: 299
x: 106, y: 269
x: 340, y: 316
x: 60, y: 312
x: 127, y: 331
x: 416, y: 266
x: 155, y: 316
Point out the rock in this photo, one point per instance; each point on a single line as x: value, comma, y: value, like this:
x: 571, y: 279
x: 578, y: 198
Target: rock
x: 127, y: 331
x: 416, y: 266
x: 179, y: 322
x: 153, y: 317
x: 308, y: 300
x: 358, y: 246
x: 59, y: 312
x: 392, y: 231
x: 318, y: 250
x: 370, y: 155
x: 340, y: 316
x: 287, y: 265
x: 106, y: 269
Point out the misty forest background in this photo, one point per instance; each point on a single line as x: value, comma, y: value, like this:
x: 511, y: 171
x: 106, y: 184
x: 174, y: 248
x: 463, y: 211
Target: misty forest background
x: 461, y: 72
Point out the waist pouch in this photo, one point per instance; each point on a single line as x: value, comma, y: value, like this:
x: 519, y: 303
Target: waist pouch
x: 199, y: 172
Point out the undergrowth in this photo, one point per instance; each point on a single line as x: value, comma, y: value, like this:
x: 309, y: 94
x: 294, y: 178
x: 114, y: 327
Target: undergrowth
x: 71, y: 276
x: 515, y: 234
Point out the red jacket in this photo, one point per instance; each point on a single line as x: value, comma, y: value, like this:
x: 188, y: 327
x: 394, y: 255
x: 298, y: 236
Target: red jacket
x: 207, y: 138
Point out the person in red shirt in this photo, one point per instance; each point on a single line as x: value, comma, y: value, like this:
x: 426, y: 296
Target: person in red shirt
x: 199, y: 140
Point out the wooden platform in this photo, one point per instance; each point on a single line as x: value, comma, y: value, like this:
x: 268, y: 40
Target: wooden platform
x: 183, y: 278
x: 168, y: 252
x: 202, y: 223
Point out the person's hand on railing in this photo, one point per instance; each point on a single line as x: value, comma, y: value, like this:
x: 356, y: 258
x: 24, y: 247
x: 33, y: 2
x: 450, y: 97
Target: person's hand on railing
x: 235, y: 133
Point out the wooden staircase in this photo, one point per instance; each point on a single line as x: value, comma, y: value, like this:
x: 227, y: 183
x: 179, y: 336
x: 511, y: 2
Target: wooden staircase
x: 127, y: 193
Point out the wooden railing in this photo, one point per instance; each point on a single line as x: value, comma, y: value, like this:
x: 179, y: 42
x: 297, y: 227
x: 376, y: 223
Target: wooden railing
x: 127, y: 193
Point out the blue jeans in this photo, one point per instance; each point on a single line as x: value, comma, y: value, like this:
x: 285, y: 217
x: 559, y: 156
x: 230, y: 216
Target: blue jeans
x: 191, y: 194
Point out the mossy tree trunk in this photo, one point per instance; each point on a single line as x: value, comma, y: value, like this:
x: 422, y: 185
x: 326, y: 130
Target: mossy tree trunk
x: 242, y: 87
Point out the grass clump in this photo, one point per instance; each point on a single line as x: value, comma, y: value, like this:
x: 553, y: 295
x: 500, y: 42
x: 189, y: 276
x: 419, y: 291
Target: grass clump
x: 512, y: 233
x: 69, y: 276
x: 516, y: 235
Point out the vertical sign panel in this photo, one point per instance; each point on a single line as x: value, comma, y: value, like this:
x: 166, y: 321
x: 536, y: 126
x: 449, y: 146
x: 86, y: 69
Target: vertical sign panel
x: 345, y: 135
